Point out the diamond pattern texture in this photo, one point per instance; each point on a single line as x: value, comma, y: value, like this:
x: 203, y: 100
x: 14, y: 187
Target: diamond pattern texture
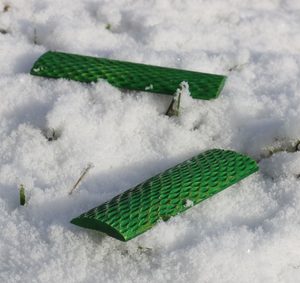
x: 127, y: 75
x: 168, y: 194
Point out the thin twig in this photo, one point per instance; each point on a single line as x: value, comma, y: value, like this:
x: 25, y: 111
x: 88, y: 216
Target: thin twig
x: 83, y: 174
x: 279, y: 146
x: 174, y: 107
x: 237, y: 67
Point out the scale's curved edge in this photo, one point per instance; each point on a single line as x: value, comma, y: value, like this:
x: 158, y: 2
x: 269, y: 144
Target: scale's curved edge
x: 95, y: 224
x: 168, y: 194
x: 127, y: 75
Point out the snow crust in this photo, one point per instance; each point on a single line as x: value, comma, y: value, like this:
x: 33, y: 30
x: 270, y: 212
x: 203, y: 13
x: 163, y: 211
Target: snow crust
x: 248, y: 233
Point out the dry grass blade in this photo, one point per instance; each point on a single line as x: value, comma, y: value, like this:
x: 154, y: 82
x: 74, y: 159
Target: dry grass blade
x: 83, y: 174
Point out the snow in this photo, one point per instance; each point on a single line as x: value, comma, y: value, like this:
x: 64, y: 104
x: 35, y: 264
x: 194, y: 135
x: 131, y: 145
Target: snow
x: 248, y: 233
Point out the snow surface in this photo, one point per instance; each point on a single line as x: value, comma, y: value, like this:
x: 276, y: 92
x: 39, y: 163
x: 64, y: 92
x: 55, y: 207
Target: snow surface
x: 248, y: 233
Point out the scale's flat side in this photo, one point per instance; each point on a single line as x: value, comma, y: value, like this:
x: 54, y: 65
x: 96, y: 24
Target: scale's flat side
x: 168, y: 194
x: 127, y: 75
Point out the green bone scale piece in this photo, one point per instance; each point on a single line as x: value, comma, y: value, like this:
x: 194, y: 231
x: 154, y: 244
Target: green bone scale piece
x: 127, y: 75
x: 167, y: 194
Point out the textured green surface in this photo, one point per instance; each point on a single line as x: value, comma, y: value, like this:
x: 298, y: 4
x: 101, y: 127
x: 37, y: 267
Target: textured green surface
x: 167, y: 194
x: 127, y: 75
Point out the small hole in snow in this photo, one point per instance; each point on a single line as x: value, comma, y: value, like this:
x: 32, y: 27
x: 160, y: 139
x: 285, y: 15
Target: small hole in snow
x: 51, y: 134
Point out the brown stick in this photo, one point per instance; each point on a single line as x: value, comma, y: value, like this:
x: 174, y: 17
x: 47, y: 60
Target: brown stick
x: 83, y: 174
